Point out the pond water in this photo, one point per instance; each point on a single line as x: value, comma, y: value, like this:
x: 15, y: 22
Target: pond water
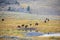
x: 42, y: 34
x: 34, y: 34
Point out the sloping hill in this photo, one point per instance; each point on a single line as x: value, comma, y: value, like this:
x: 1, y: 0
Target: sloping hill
x: 17, y: 15
x: 21, y: 15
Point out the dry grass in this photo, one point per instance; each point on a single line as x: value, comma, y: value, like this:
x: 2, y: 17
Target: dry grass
x: 10, y: 25
x: 52, y: 25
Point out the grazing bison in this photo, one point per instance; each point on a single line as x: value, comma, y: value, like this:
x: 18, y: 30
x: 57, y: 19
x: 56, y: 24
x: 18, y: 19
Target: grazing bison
x: 30, y: 24
x: 26, y: 26
x: 2, y: 19
x: 36, y: 24
x: 19, y: 26
x: 45, y: 21
x: 22, y: 25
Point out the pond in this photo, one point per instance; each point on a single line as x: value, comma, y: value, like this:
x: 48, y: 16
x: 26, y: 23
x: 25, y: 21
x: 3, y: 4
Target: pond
x: 34, y: 34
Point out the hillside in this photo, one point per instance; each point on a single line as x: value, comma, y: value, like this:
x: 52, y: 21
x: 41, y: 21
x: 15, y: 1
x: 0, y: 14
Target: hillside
x: 21, y: 15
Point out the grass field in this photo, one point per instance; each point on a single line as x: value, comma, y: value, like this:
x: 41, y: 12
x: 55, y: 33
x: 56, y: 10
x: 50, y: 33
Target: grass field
x: 13, y: 23
x: 10, y: 25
